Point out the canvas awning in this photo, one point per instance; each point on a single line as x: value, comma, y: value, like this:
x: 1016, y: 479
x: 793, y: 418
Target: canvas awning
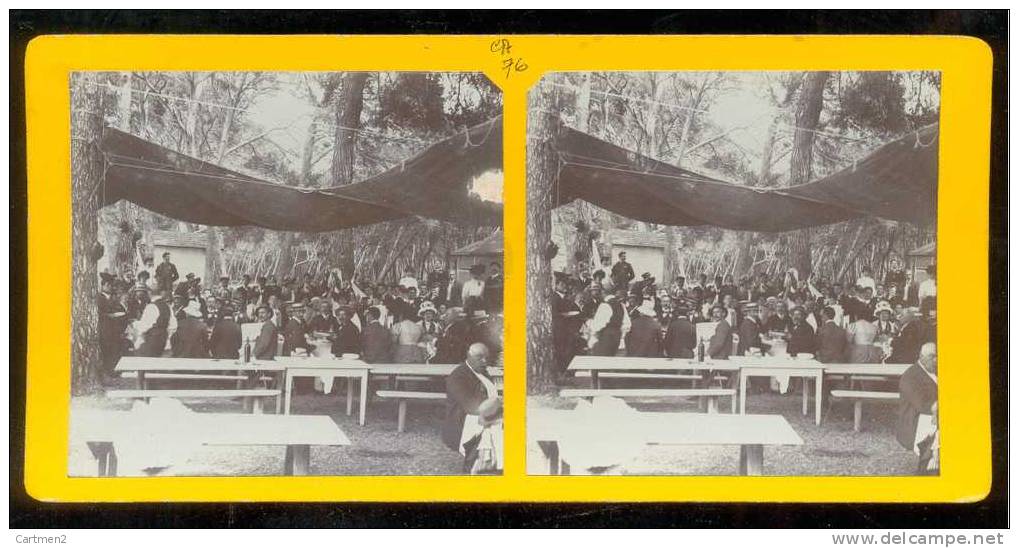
x: 898, y: 181
x: 434, y: 183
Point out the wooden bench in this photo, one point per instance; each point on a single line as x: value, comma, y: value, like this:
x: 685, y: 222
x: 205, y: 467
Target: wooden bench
x: 192, y: 377
x: 403, y: 396
x: 255, y: 396
x: 858, y: 397
x: 710, y: 395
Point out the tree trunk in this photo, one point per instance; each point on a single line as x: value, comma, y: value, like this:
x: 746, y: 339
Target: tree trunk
x: 542, y: 165
x: 746, y: 238
x: 86, y: 179
x: 808, y: 112
x: 348, y: 121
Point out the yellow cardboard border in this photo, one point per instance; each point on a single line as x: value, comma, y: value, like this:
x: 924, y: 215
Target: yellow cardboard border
x: 965, y: 64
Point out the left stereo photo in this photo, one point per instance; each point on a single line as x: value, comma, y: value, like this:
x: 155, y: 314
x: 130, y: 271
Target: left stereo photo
x: 286, y: 273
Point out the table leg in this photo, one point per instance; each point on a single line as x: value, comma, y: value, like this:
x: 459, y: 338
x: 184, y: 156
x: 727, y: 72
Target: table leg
x: 742, y: 393
x: 751, y: 460
x: 141, y: 380
x: 595, y: 381
x: 818, y: 396
x: 350, y: 394
x: 256, y: 405
x: 550, y: 450
x: 857, y: 415
x: 288, y: 392
x: 281, y: 383
x: 364, y: 397
x: 805, y: 387
x: 712, y: 404
x: 297, y: 461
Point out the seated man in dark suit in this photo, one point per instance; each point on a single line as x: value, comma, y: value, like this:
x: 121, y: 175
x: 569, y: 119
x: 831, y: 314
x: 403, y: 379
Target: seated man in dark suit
x: 918, y: 397
x: 680, y: 335
x: 750, y: 329
x: 801, y: 335
x: 268, y: 337
x: 191, y: 340
x: 830, y: 341
x: 474, y: 404
x: 226, y: 339
x: 347, y: 338
x: 645, y: 336
x: 295, y: 331
x: 376, y: 341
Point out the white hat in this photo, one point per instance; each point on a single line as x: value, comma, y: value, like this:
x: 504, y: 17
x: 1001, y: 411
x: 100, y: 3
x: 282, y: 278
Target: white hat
x: 647, y: 308
x: 427, y: 306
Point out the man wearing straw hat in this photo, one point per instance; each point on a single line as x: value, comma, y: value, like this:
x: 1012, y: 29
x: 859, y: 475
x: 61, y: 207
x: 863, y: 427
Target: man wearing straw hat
x: 268, y: 336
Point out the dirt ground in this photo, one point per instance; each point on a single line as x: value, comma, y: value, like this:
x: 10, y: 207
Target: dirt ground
x: 376, y: 448
x: 832, y: 449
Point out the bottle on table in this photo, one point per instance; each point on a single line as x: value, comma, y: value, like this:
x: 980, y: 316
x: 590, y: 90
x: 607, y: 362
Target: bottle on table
x: 247, y: 350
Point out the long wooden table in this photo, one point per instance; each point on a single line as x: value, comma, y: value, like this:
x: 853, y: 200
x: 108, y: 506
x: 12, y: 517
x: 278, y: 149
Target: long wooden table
x: 751, y: 433
x: 598, y: 364
x: 297, y: 433
x: 140, y: 365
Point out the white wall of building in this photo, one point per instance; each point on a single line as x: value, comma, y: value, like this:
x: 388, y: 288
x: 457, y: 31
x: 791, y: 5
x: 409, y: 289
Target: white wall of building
x: 644, y: 259
x: 187, y: 259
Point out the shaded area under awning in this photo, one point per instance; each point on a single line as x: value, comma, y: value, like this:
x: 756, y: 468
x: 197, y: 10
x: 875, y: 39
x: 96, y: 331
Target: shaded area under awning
x: 898, y: 181
x: 435, y: 183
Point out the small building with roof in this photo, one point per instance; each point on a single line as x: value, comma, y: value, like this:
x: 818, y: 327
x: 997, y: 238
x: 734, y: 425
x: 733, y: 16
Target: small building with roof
x: 485, y: 251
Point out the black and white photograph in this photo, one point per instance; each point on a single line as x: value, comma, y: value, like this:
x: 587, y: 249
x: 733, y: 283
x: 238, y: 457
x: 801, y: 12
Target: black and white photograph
x: 733, y: 273
x: 286, y: 273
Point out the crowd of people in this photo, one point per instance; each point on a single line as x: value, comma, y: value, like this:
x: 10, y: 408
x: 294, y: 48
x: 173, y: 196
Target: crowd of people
x: 866, y: 321
x: 156, y: 312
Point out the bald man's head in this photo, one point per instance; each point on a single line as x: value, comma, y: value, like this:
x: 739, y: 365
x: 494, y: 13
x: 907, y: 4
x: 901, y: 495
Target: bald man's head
x: 477, y: 356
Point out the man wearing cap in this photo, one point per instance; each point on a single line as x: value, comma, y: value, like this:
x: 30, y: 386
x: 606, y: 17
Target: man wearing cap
x: 268, y: 336
x: 223, y: 292
x: 347, y: 339
x: 155, y: 324
x: 112, y: 318
x: 622, y: 273
x: 226, y: 338
x: 166, y: 273
x: 191, y: 339
x: 184, y: 288
x: 749, y: 329
x: 644, y: 339
x: 610, y: 323
x: 566, y: 322
x: 295, y: 331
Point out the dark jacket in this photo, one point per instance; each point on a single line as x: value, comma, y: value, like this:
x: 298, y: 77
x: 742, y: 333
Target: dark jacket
x: 191, y: 340
x: 323, y: 324
x: 622, y: 273
x: 830, y: 343
x: 775, y: 323
x: 801, y: 339
x: 680, y: 338
x: 645, y: 338
x: 464, y: 394
x: 749, y: 336
x: 294, y: 331
x: 906, y: 347
x: 225, y: 341
x: 265, y: 344
x: 451, y: 346
x: 376, y: 344
x: 720, y: 345
x: 166, y: 274
x: 347, y: 339
x: 917, y: 392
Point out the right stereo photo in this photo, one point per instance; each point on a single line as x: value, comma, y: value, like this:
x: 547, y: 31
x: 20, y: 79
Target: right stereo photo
x: 733, y: 273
